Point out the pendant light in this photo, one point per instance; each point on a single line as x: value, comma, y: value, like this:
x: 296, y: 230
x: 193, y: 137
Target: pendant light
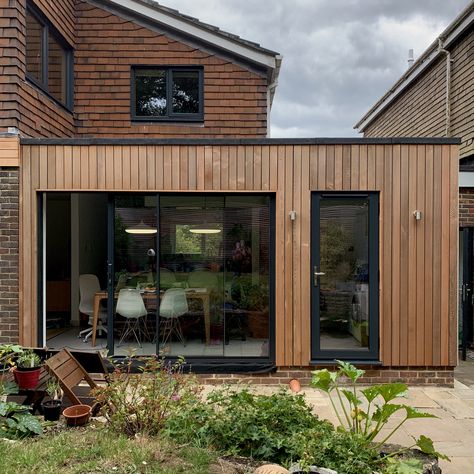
x: 205, y: 227
x: 141, y: 229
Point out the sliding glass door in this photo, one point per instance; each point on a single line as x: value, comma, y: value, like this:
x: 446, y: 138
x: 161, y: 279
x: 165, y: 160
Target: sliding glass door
x: 169, y: 274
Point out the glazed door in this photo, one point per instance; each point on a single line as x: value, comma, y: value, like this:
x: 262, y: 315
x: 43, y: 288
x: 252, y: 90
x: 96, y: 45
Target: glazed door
x: 345, y: 276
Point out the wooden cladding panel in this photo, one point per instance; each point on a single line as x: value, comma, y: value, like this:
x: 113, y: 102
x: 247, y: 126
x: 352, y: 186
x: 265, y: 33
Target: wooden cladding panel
x: 9, y: 152
x: 418, y: 259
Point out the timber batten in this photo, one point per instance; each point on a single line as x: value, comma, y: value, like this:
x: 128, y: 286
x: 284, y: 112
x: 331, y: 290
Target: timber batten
x: 418, y: 259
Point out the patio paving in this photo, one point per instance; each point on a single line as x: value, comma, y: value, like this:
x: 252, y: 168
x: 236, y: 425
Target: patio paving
x: 453, y: 430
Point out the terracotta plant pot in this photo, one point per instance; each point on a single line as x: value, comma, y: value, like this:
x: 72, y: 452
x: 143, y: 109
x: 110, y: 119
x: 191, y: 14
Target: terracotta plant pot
x: 295, y: 385
x: 27, y: 378
x: 77, y: 415
x: 52, y: 410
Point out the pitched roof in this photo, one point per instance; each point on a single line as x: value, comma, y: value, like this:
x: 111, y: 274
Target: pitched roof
x: 197, y: 32
x: 460, y: 25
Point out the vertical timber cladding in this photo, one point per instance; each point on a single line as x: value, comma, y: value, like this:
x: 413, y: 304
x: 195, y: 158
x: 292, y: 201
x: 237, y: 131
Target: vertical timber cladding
x: 418, y: 259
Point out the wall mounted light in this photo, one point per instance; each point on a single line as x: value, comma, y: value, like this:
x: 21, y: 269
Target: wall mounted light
x: 417, y: 215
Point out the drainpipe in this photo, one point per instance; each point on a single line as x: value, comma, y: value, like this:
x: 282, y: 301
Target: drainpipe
x: 270, y: 89
x: 448, y: 86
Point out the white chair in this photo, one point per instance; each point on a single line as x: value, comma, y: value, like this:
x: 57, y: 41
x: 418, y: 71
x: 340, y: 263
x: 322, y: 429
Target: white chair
x: 88, y: 286
x: 130, y: 305
x: 173, y: 305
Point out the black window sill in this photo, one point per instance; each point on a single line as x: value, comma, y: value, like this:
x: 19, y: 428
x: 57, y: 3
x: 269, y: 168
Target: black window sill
x: 167, y: 121
x: 332, y: 362
x: 36, y: 85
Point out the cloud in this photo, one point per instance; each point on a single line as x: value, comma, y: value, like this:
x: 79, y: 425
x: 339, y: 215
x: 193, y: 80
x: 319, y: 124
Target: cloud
x: 339, y: 56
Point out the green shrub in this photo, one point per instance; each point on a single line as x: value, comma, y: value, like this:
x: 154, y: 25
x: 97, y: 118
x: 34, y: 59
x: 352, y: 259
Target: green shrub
x: 140, y: 403
x: 17, y: 422
x: 278, y: 428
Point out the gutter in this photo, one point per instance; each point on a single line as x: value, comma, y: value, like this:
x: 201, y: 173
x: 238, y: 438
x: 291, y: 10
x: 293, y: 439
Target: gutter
x: 449, y: 61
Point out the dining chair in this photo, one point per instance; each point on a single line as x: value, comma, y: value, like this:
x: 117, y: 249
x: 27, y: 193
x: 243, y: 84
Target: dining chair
x: 173, y: 305
x: 130, y: 305
x: 88, y: 286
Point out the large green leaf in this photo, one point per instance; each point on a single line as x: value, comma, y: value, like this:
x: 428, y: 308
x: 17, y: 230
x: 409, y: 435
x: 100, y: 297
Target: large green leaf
x: 350, y: 371
x: 384, y: 412
x: 389, y: 391
x: 28, y: 424
x: 426, y: 445
x: 8, y: 388
x: 351, y: 397
x: 414, y: 413
x: 323, y: 379
x: 371, y: 393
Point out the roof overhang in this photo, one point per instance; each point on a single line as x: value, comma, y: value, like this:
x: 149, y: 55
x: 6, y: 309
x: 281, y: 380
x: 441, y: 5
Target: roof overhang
x: 192, y: 31
x: 458, y: 27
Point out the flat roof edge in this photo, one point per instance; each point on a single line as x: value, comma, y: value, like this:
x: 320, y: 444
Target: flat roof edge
x: 242, y: 141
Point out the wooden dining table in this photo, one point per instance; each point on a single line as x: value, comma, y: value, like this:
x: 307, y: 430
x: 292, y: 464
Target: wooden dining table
x: 201, y: 294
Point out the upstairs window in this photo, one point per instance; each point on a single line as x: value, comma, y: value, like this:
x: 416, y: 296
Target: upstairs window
x: 49, y: 58
x: 167, y: 94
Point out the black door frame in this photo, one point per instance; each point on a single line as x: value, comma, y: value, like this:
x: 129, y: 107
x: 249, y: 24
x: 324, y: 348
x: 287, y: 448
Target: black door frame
x: 466, y: 289
x: 209, y: 364
x: 319, y: 355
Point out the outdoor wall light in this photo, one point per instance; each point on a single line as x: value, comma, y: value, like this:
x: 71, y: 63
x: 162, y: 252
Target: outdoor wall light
x: 141, y: 229
x: 417, y: 215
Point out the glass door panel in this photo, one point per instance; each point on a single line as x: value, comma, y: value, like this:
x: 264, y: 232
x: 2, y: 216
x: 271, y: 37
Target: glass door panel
x: 135, y: 274
x: 345, y: 276
x: 215, y: 250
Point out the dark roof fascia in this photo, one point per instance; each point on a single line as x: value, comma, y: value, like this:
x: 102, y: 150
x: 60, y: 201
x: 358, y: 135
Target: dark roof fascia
x: 188, y: 39
x: 241, y: 141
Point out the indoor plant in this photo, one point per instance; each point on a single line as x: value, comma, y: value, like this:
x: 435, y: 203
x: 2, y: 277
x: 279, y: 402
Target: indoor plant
x: 52, y: 407
x: 27, y: 370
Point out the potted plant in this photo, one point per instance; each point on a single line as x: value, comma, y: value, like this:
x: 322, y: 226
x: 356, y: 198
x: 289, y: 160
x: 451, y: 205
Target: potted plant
x: 27, y: 370
x: 52, y: 407
x: 8, y: 352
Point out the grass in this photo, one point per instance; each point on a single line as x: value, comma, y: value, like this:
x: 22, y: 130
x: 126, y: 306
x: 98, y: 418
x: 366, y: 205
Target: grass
x: 99, y: 451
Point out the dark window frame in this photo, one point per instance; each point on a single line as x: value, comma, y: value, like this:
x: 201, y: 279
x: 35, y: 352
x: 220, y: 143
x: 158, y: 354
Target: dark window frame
x: 170, y: 115
x: 372, y: 354
x: 47, y: 29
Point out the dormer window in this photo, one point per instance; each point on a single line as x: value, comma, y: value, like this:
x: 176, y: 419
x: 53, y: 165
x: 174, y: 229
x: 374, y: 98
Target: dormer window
x: 49, y: 58
x: 167, y: 94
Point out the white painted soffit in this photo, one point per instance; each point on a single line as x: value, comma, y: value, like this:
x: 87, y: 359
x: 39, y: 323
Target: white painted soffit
x: 193, y: 29
x: 462, y: 22
x: 466, y: 179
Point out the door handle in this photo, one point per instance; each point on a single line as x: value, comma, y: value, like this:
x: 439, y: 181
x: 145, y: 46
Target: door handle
x: 316, y: 275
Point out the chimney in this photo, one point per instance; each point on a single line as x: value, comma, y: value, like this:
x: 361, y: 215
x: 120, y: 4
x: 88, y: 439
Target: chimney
x: 410, y: 58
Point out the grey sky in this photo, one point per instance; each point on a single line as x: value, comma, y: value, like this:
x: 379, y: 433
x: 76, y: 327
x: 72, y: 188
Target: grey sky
x: 339, y: 56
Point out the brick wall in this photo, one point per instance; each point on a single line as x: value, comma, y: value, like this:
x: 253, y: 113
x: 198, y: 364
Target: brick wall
x: 466, y: 207
x: 9, y: 240
x: 435, y: 376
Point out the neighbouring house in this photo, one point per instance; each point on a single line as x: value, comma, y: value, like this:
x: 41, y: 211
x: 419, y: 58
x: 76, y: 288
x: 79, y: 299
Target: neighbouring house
x: 435, y: 98
x: 141, y: 199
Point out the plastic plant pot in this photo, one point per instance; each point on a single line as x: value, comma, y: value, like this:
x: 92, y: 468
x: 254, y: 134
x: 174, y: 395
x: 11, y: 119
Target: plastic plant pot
x: 27, y: 378
x: 52, y: 410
